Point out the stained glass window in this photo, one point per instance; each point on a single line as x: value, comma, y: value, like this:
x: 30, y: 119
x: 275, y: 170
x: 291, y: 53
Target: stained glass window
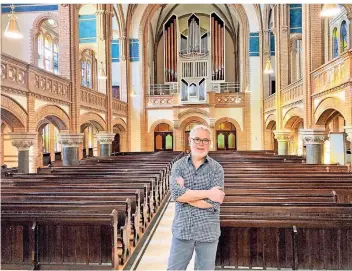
x: 56, y: 58
x: 40, y: 51
x: 48, y: 53
x: 344, y: 43
x: 335, y: 43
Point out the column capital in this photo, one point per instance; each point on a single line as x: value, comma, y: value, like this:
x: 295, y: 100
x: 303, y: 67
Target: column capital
x: 212, y: 122
x: 348, y: 131
x: 71, y: 140
x: 23, y: 141
x: 313, y: 136
x: 176, y: 124
x: 283, y: 135
x: 105, y: 137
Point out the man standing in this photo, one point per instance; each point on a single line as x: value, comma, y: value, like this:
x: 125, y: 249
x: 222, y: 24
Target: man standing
x: 196, y: 184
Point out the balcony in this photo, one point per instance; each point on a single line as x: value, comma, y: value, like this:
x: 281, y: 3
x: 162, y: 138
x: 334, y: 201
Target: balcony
x: 93, y: 99
x: 162, y: 89
x: 269, y: 103
x: 333, y: 74
x: 119, y: 107
x: 227, y: 87
x: 292, y: 93
x: 20, y: 76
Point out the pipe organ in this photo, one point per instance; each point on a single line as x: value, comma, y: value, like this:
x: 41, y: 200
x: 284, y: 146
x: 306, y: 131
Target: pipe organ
x: 170, y: 45
x: 197, y: 53
x: 217, y: 47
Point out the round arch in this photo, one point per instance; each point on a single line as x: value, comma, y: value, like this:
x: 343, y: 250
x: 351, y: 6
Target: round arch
x: 184, y: 124
x: 326, y: 105
x: 231, y: 120
x: 121, y: 122
x: 291, y: 116
x: 53, y: 114
x: 12, y: 113
x: 93, y: 118
x: 150, y: 134
x: 269, y: 119
x: 193, y: 111
x: 238, y: 133
x: 156, y: 123
x: 188, y: 120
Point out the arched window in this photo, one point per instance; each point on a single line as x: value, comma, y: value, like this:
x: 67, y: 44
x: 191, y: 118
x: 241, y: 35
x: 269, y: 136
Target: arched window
x: 40, y: 51
x: 56, y: 58
x: 87, y: 67
x: 48, y: 53
x: 335, y: 43
x: 48, y: 46
x: 343, y: 37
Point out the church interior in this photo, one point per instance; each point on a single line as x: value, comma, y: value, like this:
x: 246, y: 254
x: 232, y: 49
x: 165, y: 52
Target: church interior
x: 97, y: 104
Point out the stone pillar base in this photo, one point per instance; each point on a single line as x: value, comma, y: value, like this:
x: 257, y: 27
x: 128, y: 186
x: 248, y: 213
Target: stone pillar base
x: 105, y: 139
x: 23, y: 142
x: 70, y: 148
x: 313, y: 140
x: 283, y: 137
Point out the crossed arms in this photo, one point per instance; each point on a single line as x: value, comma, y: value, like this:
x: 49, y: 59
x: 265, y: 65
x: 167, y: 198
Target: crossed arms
x: 203, y: 199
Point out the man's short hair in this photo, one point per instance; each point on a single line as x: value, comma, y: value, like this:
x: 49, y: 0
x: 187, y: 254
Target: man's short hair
x: 200, y: 127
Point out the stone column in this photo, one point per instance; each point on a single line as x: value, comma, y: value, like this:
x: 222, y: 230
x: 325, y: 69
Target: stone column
x: 312, y: 42
x: 23, y: 141
x: 105, y: 140
x: 314, y: 140
x: 283, y: 138
x: 70, y: 148
x: 104, y: 15
x: 348, y: 131
x: 213, y: 134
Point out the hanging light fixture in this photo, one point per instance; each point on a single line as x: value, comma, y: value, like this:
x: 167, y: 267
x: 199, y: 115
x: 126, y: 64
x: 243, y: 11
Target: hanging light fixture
x: 330, y: 10
x: 102, y: 74
x: 268, y: 69
x: 12, y: 31
x: 133, y: 92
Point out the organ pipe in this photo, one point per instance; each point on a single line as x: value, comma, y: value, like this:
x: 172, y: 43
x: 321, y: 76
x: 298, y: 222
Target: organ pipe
x: 170, y: 49
x: 172, y: 52
x: 175, y: 51
x: 221, y: 53
x: 216, y: 50
x: 212, y: 48
x: 166, y: 55
x: 218, y: 45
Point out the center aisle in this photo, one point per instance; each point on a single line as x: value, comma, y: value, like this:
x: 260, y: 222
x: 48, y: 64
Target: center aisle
x: 156, y: 255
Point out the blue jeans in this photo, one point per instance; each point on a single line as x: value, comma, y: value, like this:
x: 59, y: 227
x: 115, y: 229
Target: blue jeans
x: 182, y: 251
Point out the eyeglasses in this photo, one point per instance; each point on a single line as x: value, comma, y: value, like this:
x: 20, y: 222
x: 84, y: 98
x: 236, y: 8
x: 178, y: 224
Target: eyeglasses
x: 197, y: 140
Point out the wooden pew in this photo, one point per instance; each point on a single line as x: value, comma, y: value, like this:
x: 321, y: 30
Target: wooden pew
x: 59, y: 240
x: 304, y: 236
x: 123, y: 208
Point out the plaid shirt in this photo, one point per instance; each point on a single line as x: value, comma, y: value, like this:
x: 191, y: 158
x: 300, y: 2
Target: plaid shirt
x: 192, y: 223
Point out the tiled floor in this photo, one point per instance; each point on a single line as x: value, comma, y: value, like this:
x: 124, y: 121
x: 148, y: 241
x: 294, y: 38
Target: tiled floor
x: 156, y: 255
